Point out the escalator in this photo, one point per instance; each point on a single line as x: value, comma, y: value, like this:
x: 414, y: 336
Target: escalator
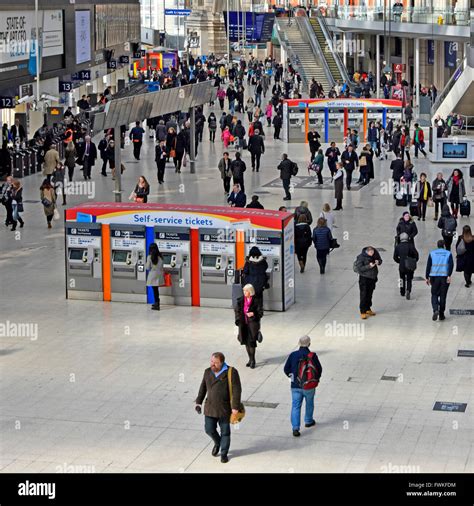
x: 327, y: 49
x: 458, y: 94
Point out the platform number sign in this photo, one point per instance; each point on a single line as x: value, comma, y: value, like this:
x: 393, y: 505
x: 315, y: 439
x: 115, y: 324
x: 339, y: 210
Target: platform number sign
x: 112, y: 64
x: 65, y: 86
x: 7, y: 102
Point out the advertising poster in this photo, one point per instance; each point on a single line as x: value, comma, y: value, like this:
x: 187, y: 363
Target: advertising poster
x: 289, y: 264
x: 450, y: 54
x: 17, y: 33
x: 83, y: 36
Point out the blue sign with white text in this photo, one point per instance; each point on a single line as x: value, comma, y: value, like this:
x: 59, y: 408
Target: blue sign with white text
x: 177, y: 12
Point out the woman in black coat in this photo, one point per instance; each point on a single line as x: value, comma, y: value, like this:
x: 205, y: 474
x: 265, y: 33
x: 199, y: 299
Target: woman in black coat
x: 248, y: 313
x: 465, y: 254
x: 303, y: 240
x: 255, y: 271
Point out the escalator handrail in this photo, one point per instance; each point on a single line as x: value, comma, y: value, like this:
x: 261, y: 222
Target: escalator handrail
x: 340, y: 64
x: 449, y: 85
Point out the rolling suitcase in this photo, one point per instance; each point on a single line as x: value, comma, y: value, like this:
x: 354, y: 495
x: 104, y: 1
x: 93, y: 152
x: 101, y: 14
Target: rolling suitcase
x: 413, y: 208
x: 465, y: 208
x: 401, y: 200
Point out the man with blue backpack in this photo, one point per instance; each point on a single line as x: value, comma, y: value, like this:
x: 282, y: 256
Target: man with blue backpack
x: 304, y: 370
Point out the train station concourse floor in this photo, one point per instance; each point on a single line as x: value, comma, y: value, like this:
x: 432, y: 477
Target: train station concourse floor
x: 110, y: 386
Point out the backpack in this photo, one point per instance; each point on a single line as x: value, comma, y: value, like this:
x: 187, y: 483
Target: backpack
x: 294, y: 169
x: 449, y: 226
x: 307, y: 372
x: 355, y: 267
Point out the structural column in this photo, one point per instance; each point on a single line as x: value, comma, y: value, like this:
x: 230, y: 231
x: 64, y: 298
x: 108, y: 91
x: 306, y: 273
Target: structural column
x: 417, y: 76
x: 377, y: 63
x: 118, y: 163
x: 344, y: 49
x: 192, y: 141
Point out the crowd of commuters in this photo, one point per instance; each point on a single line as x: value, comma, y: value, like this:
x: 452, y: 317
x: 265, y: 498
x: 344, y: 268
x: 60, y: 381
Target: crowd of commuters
x: 250, y: 97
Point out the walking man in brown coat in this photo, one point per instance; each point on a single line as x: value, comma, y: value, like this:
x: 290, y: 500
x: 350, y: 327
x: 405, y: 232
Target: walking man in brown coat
x: 218, y: 407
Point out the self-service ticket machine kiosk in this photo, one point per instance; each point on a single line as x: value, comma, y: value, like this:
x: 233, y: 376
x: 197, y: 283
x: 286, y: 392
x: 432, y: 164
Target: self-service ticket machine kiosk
x: 270, y: 244
x: 84, y: 261
x: 217, y: 266
x: 128, y: 258
x: 173, y: 243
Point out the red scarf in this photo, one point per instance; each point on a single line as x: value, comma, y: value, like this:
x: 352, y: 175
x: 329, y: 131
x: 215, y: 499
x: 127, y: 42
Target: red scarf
x: 456, y: 180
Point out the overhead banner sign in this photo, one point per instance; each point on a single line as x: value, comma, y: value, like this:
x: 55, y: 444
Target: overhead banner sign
x: 17, y: 33
x: 450, y: 54
x: 431, y: 51
x: 83, y: 36
x: 259, y: 26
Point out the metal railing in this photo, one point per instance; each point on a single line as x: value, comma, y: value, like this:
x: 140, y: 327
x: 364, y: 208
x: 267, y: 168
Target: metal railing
x: 426, y: 15
x: 340, y: 64
x: 449, y: 86
x: 309, y: 36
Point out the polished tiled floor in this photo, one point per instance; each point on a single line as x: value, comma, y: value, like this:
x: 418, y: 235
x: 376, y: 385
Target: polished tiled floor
x: 110, y: 387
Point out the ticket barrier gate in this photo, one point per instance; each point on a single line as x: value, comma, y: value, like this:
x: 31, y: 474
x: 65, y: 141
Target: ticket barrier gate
x: 269, y: 243
x: 128, y: 258
x: 174, y: 245
x: 84, y: 261
x: 217, y: 267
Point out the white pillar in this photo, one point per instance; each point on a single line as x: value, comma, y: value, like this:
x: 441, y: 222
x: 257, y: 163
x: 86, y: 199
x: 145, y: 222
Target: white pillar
x: 417, y: 75
x: 377, y: 63
x: 356, y: 52
x: 344, y: 49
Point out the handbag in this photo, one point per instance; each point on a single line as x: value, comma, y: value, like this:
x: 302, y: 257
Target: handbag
x: 259, y: 337
x: 19, y: 207
x: 46, y: 202
x: 410, y: 264
x: 56, y: 214
x: 139, y: 200
x: 334, y: 244
x: 460, y: 248
x: 172, y: 153
x: 238, y: 417
x: 185, y: 160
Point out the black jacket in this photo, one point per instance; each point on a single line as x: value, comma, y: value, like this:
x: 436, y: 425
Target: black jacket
x: 314, y: 143
x: 248, y: 329
x: 363, y: 267
x: 407, y: 227
x: 238, y: 168
x: 286, y: 169
x: 404, y: 250
x: 350, y: 160
x: 397, y: 169
x: 303, y: 237
x: 256, y: 144
x: 255, y: 273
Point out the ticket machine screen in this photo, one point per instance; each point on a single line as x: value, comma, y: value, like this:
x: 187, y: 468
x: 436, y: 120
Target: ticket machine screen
x: 120, y: 256
x: 167, y: 258
x: 208, y: 261
x: 76, y: 254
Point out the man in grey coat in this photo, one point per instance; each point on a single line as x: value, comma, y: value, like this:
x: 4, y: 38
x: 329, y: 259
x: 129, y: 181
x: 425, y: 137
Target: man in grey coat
x: 219, y: 407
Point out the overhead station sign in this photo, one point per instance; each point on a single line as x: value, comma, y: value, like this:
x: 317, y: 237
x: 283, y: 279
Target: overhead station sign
x: 258, y: 26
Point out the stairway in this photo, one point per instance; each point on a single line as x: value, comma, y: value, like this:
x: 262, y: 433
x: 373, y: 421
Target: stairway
x: 328, y: 55
x: 307, y: 59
